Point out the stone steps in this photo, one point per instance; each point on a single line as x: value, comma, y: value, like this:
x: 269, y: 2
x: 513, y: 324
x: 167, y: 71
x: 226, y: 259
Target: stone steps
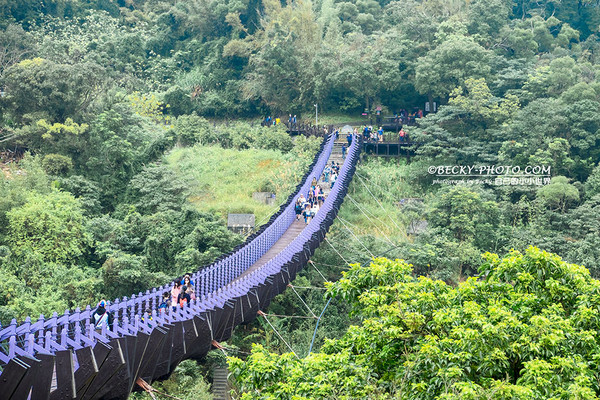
x: 220, y: 386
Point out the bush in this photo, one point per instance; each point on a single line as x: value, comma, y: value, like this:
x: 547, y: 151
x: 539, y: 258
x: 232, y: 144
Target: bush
x: 274, y: 139
x: 57, y: 164
x: 124, y: 274
x: 49, y: 225
x: 86, y: 191
x: 192, y: 129
x: 179, y: 101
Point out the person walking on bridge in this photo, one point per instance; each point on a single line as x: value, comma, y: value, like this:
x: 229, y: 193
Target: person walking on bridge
x: 189, y: 284
x: 102, y: 316
x: 175, y: 291
x: 184, y: 298
x: 166, y: 302
x: 326, y: 173
x: 401, y: 135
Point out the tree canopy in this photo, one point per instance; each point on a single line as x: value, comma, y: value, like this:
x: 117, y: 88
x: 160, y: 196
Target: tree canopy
x: 524, y: 328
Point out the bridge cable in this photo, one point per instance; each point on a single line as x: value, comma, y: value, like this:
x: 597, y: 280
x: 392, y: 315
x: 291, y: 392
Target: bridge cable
x: 276, y: 332
x: 365, y: 211
x: 303, y: 302
x: 351, y: 249
x: 329, y: 265
x: 353, y: 235
x: 356, y: 228
x: 313, y: 264
x: 377, y: 200
x: 310, y: 287
x: 383, y: 223
x: 291, y: 316
x: 384, y: 210
x: 219, y: 346
x: 331, y: 298
x: 150, y: 390
x: 338, y: 253
x: 312, y: 342
x: 236, y: 350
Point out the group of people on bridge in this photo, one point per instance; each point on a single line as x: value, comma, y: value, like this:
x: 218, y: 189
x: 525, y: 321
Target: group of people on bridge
x: 409, y: 118
x: 183, y: 292
x: 371, y: 135
x: 181, y: 295
x: 307, y: 207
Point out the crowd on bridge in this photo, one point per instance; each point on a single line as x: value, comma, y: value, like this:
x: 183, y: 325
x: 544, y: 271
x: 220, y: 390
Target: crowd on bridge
x: 307, y: 207
x: 409, y: 118
x: 370, y: 135
x: 182, y: 294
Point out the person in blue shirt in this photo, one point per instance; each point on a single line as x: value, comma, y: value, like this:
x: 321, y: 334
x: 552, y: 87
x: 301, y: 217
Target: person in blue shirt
x: 189, y: 278
x: 166, y: 300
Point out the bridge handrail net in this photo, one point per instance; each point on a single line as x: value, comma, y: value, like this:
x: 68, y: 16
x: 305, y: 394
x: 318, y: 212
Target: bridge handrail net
x: 75, y: 329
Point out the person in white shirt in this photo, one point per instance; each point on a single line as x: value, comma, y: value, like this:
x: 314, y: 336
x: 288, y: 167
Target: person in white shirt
x: 314, y: 210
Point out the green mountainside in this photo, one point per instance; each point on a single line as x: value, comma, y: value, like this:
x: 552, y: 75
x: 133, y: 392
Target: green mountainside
x: 129, y: 129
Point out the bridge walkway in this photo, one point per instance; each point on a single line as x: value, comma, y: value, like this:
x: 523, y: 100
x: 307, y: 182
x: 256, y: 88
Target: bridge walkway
x: 296, y: 227
x: 67, y: 357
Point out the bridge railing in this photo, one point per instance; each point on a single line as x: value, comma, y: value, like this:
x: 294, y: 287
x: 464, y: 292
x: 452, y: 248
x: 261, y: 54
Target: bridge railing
x: 315, y: 231
x: 75, y: 329
x: 64, y: 357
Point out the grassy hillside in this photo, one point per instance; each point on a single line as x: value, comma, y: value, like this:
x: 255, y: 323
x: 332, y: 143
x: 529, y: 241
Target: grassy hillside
x: 222, y: 180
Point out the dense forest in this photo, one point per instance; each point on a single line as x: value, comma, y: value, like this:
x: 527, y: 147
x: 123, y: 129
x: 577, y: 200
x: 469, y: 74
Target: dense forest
x: 126, y: 126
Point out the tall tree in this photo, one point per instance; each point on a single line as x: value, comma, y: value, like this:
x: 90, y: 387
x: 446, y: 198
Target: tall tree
x: 450, y: 64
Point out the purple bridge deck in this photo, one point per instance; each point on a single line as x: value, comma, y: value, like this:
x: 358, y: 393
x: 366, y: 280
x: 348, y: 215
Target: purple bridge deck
x: 64, y: 357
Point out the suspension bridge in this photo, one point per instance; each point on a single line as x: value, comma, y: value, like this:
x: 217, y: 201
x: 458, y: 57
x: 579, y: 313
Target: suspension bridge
x: 65, y: 357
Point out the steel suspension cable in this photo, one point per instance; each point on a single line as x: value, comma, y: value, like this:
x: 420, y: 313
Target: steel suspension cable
x: 353, y: 235
x: 338, y: 253
x: 277, y: 333
x: 360, y: 208
x: 356, y: 228
x: 313, y: 264
x: 303, y: 302
x: 380, y: 205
